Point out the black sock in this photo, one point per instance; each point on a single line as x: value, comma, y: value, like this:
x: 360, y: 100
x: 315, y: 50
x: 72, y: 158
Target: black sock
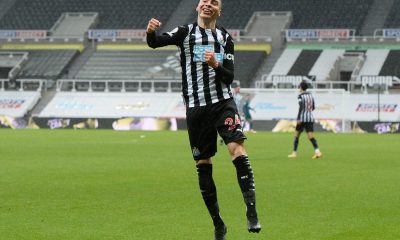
x: 246, y: 182
x: 209, y: 191
x: 314, y: 143
x: 295, y: 143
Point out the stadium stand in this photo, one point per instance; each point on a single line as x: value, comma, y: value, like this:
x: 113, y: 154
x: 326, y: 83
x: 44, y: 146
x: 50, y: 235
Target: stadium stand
x: 391, y: 65
x: 304, y: 62
x: 326, y: 62
x: 306, y: 13
x: 393, y: 19
x: 285, y: 62
x: 47, y: 64
x: 113, y: 14
x: 141, y: 64
x: 11, y: 63
x: 9, y: 59
x: 247, y: 64
x: 159, y: 65
x: 375, y: 58
x: 73, y: 24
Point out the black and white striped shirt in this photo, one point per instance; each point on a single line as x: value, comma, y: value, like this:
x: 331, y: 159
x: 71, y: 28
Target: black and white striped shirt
x: 306, y: 107
x: 201, y: 84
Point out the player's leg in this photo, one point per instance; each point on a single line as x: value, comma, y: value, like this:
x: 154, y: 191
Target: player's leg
x: 230, y: 129
x: 251, y: 126
x: 299, y: 130
x: 203, y: 139
x: 209, y: 193
x: 310, y: 134
x: 245, y: 179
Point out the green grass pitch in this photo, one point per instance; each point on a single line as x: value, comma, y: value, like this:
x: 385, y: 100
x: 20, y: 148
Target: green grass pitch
x: 100, y: 184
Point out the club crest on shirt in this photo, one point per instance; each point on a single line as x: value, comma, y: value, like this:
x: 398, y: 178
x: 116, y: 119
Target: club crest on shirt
x: 221, y: 41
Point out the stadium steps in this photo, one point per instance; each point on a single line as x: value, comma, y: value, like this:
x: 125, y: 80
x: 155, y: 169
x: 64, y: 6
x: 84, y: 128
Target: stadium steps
x: 47, y: 96
x: 376, y: 16
x: 79, y: 62
x: 183, y: 11
x: 73, y: 24
x: 268, y: 64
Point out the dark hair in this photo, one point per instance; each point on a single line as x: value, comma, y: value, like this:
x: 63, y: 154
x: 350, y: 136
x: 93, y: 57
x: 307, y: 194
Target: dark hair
x: 303, y: 85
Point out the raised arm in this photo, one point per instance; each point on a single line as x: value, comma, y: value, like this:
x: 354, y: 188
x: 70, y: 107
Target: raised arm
x: 155, y: 41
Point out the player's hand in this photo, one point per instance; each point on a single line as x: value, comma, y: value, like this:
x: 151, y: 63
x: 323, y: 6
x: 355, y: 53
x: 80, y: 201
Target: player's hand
x: 209, y: 57
x: 153, y: 25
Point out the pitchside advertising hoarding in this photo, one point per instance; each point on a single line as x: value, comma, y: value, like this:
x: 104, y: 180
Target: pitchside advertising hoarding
x: 156, y: 111
x: 114, y: 105
x: 14, y: 104
x: 354, y: 107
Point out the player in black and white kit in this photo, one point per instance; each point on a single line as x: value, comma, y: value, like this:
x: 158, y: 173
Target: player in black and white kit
x: 305, y: 120
x: 207, y: 61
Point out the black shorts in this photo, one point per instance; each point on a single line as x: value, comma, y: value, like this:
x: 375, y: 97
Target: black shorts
x: 206, y: 122
x: 308, y: 126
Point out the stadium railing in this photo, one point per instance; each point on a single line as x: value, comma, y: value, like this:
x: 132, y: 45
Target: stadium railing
x: 119, y: 85
x: 23, y: 85
x: 368, y: 82
x: 74, y: 85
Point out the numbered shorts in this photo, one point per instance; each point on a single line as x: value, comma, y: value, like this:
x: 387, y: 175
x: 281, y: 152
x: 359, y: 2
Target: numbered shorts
x: 206, y: 122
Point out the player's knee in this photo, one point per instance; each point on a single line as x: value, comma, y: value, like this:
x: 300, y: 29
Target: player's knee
x: 204, y: 161
x: 236, y: 149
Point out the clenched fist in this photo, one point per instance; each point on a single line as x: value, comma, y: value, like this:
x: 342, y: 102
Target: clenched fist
x: 153, y: 25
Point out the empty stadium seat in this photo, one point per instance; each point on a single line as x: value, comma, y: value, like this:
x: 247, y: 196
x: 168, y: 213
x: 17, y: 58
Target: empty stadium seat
x: 247, y: 64
x: 306, y: 13
x: 393, y: 19
x: 47, y: 64
x: 131, y: 65
x: 113, y: 14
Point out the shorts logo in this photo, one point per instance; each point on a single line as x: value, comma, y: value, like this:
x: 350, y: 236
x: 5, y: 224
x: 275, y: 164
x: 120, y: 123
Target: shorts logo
x: 229, y: 122
x: 195, y: 152
x: 232, y: 125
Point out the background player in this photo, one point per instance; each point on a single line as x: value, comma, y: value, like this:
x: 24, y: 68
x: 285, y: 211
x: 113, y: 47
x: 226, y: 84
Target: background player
x: 305, y: 120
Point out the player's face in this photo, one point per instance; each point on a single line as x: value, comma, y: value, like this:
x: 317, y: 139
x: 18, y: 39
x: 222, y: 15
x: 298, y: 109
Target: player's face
x: 210, y: 9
